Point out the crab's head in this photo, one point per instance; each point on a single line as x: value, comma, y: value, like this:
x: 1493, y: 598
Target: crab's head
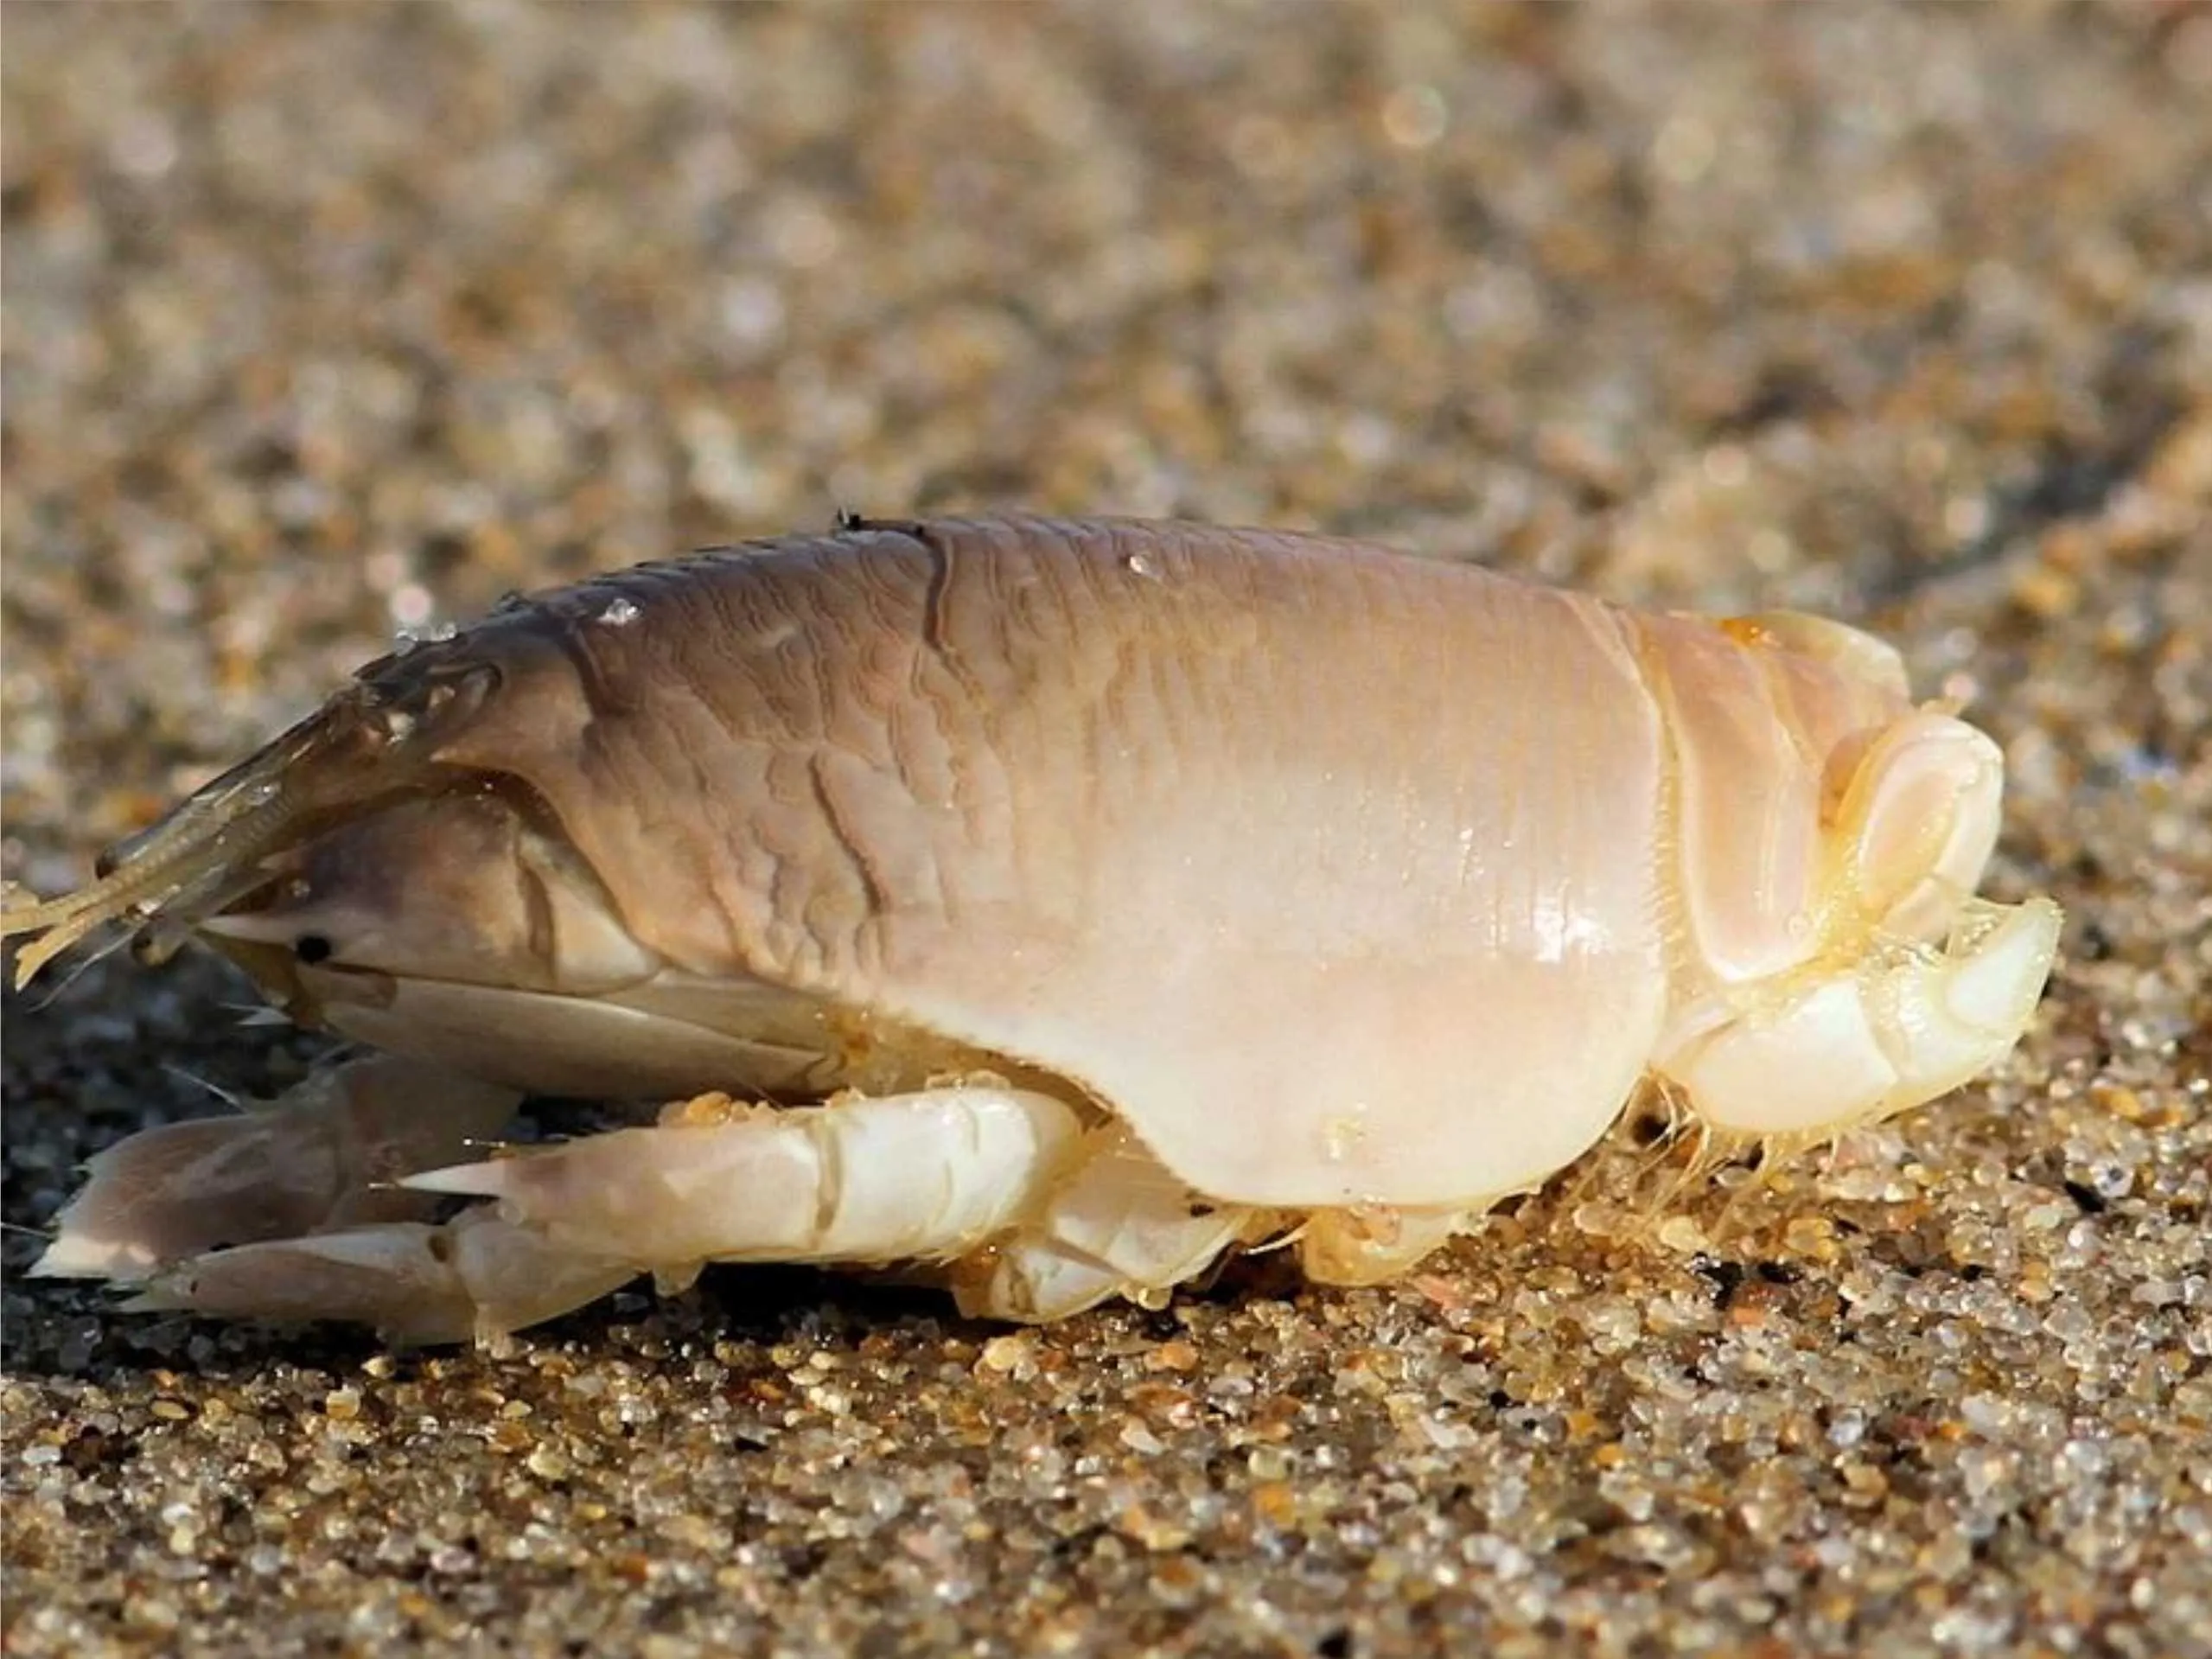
x: 462, y: 885
x: 462, y: 926
x: 388, y: 869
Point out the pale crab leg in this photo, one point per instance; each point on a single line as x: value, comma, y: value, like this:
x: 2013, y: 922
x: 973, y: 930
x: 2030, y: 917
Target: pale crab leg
x: 924, y: 1176
x: 901, y: 1177
x: 325, y: 1156
x: 1120, y: 1225
x: 475, y: 1276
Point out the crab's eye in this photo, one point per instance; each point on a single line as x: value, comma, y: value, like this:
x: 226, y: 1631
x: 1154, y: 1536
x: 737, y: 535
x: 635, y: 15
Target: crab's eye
x: 313, y: 948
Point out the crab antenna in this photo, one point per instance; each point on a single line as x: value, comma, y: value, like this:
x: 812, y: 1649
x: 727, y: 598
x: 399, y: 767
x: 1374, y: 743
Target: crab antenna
x: 228, y: 821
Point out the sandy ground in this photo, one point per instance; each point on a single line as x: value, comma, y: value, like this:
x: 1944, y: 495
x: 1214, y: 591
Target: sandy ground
x: 326, y: 322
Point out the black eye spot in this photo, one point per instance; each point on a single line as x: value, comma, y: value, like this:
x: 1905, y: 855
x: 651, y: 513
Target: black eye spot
x: 312, y: 948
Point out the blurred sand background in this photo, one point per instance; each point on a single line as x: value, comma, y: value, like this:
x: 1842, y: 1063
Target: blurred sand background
x: 324, y: 322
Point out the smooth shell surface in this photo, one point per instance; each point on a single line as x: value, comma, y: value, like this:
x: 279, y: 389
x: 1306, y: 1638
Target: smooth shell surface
x: 1334, y: 872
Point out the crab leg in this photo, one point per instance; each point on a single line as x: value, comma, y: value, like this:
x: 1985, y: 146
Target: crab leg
x: 904, y: 1177
x: 901, y: 1177
x: 475, y: 1276
x: 323, y: 1158
x: 1121, y: 1224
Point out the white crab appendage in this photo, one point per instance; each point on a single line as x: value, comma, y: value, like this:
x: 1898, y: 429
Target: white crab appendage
x: 1041, y: 908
